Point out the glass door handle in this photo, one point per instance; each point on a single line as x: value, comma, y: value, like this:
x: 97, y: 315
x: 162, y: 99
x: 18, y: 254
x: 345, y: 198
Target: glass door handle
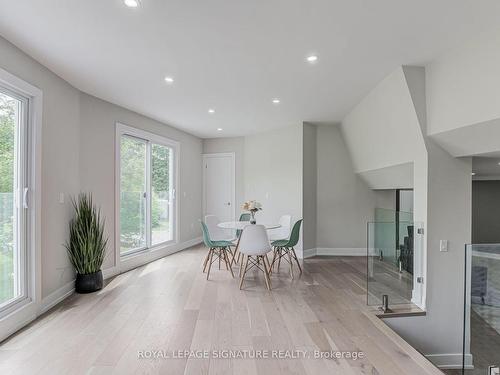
x: 25, y: 197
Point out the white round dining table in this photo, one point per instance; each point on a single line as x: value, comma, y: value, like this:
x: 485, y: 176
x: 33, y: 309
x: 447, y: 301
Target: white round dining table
x: 239, y: 225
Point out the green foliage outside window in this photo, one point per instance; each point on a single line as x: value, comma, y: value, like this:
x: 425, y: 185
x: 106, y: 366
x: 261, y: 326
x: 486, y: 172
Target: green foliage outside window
x: 7, y: 154
x: 133, y: 186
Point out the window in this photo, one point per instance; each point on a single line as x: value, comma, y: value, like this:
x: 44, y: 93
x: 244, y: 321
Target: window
x: 13, y: 199
x: 147, y: 190
x: 20, y: 202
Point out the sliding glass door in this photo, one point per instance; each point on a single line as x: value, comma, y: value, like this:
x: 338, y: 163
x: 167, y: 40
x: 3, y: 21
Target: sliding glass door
x: 161, y: 194
x: 147, y: 194
x: 13, y: 202
x: 133, y: 194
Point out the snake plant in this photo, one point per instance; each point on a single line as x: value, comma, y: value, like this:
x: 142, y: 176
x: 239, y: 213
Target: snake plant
x: 87, y: 244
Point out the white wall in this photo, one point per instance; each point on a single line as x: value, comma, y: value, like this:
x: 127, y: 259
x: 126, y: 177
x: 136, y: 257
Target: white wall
x: 400, y: 176
x: 78, y: 135
x: 463, y: 86
x: 335, y: 203
x: 385, y: 137
x: 269, y: 170
x: 344, y: 202
x: 236, y: 145
x: 439, y: 333
x: 97, y: 163
x: 385, y: 199
x: 273, y: 172
x: 383, y: 129
x: 442, y: 199
x: 60, y: 173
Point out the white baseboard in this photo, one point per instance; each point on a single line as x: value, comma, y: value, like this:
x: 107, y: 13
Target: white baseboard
x: 450, y: 361
x: 138, y: 260
x: 66, y: 290
x: 57, y: 296
x: 308, y: 253
x: 110, y: 272
x: 350, y: 251
x: 325, y: 251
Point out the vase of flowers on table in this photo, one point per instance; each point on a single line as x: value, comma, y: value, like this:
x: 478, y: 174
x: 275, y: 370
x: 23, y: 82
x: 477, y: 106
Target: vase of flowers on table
x: 252, y: 207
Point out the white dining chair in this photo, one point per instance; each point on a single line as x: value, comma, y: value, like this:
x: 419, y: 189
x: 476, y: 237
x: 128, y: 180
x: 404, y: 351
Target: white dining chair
x: 254, y: 246
x: 283, y: 232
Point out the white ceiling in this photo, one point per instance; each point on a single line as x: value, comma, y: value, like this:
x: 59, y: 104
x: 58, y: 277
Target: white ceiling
x: 237, y: 55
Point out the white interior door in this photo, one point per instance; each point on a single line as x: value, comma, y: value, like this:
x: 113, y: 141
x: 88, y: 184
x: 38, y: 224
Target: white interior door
x: 219, y: 186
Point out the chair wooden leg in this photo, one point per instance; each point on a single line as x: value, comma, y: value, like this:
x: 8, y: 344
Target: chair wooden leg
x: 228, y: 265
x: 210, y: 262
x: 274, y: 260
x: 280, y: 254
x: 291, y: 263
x: 296, y: 260
x: 233, y: 258
x: 269, y: 274
x: 266, y: 276
x: 268, y: 265
x: 206, y: 261
x: 266, y: 273
x: 223, y: 253
x: 244, y: 272
x: 240, y: 258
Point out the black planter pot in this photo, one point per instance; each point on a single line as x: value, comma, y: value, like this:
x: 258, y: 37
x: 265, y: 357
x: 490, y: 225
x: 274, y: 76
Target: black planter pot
x: 89, y: 283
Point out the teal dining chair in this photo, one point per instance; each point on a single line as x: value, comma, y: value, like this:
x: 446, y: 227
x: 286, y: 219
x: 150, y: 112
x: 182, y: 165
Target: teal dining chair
x: 218, y: 248
x: 243, y: 217
x: 285, y: 249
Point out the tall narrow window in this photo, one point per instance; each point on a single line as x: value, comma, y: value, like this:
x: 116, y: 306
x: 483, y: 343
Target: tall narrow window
x: 147, y: 193
x: 133, y: 194
x: 161, y: 209
x: 13, y: 179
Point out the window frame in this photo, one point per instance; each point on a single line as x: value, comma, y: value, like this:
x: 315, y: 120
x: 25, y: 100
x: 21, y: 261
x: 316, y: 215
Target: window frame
x: 28, y: 306
x: 150, y: 139
x: 21, y: 177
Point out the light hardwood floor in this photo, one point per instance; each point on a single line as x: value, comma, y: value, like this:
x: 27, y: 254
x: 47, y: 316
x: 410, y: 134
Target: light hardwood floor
x: 169, y: 305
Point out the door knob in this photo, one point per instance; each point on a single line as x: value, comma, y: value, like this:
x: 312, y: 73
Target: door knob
x: 228, y: 203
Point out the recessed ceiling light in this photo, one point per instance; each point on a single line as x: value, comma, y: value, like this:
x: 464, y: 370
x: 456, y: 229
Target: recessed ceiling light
x: 312, y: 58
x: 169, y: 80
x: 473, y: 173
x: 276, y: 101
x: 211, y: 110
x: 131, y: 3
x: 219, y: 129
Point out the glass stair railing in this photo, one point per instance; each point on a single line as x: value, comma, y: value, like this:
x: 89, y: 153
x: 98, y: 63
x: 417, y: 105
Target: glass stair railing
x: 481, y: 339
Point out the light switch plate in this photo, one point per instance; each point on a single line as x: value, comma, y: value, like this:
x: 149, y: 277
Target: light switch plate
x: 443, y: 245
